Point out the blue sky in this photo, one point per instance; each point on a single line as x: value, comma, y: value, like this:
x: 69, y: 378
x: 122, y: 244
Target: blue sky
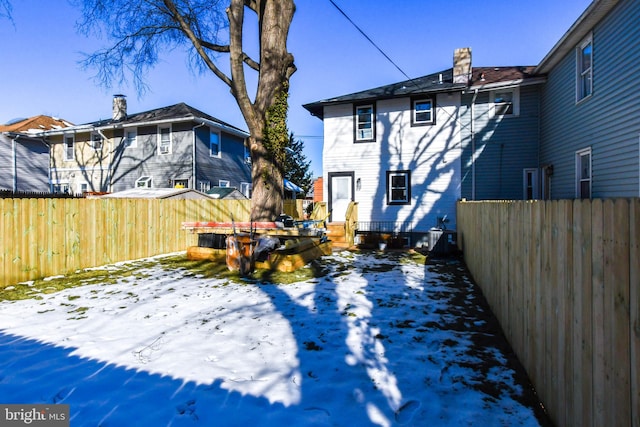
x: 40, y: 51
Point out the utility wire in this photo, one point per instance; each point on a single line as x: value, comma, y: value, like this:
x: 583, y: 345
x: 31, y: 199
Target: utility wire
x: 369, y: 39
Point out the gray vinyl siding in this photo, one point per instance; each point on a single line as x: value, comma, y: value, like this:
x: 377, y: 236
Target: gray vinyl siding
x: 608, y: 122
x: 145, y: 160
x: 31, y: 166
x: 504, y: 147
x: 230, y: 166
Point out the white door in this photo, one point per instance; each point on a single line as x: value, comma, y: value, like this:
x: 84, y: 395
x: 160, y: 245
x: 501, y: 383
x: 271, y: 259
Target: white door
x: 341, y: 193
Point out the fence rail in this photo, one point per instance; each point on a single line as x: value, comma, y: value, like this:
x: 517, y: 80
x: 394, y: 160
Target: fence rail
x: 563, y: 278
x: 43, y: 237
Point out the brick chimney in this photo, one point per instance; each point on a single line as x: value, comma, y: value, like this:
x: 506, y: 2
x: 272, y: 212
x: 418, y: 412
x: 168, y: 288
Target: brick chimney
x: 119, y: 107
x: 462, y: 65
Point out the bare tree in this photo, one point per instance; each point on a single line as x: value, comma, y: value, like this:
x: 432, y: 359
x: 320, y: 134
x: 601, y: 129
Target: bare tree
x: 141, y: 29
x: 5, y: 9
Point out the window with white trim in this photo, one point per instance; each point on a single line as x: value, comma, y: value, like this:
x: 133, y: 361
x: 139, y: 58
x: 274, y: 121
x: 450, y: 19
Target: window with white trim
x: 144, y: 182
x: 164, y: 140
x: 530, y: 184
x: 422, y: 112
x: 584, y: 69
x: 506, y: 102
x: 130, y: 138
x: 364, y: 117
x: 583, y: 174
x: 398, y: 187
x: 214, y: 143
x: 245, y: 188
x: 96, y: 141
x: 69, y: 147
x: 223, y: 183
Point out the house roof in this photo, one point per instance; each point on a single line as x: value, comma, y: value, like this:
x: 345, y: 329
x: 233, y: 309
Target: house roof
x: 225, y: 193
x: 433, y: 83
x: 578, y: 31
x: 156, y: 193
x: 35, y: 124
x: 173, y: 113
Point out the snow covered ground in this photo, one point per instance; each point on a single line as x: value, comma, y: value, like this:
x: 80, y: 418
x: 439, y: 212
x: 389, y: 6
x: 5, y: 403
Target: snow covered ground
x: 360, y: 340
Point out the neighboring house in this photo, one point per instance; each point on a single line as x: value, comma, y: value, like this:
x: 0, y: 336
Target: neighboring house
x: 24, y: 158
x: 590, y: 144
x: 567, y: 128
x: 171, y: 147
x: 407, y: 152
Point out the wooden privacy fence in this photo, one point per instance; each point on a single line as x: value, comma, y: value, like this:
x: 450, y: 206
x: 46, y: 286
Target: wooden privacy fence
x: 563, y: 278
x: 44, y: 237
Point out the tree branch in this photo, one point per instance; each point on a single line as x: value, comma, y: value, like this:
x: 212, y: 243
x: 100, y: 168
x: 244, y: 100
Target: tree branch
x: 187, y: 30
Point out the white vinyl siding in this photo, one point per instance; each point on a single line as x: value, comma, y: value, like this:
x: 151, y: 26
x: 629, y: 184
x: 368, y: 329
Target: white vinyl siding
x: 433, y: 150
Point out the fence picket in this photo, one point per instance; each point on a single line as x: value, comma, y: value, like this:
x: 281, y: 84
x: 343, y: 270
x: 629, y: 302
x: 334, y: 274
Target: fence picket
x: 580, y: 296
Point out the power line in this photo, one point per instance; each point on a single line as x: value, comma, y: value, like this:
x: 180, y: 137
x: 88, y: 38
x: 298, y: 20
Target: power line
x: 369, y: 39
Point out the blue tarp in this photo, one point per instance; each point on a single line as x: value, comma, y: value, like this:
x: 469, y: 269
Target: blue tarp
x: 288, y: 185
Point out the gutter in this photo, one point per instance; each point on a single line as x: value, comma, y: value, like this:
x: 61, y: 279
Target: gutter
x: 193, y: 159
x: 473, y: 147
x: 90, y: 128
x: 14, y: 163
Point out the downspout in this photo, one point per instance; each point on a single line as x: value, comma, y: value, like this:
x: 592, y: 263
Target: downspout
x: 473, y: 146
x: 104, y: 137
x: 14, y: 164
x: 46, y: 144
x: 193, y: 155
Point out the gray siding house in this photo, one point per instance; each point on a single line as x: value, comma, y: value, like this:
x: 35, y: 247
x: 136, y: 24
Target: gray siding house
x: 590, y: 129
x: 24, y: 156
x: 406, y: 152
x: 500, y: 134
x: 24, y: 163
x: 171, y: 147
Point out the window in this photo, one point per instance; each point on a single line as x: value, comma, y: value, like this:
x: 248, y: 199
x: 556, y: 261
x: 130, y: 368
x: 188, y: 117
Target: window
x: 365, y: 123
x: 164, y: 136
x: 584, y: 78
x: 62, y: 188
x: 506, y: 102
x: 180, y: 183
x: 245, y: 188
x: 130, y: 138
x: 204, y: 186
x: 214, y: 143
x: 96, y: 141
x: 583, y: 174
x: 223, y: 183
x: 69, y: 142
x: 247, y: 155
x: 398, y: 188
x: 422, y: 113
x: 530, y: 184
x: 144, y: 182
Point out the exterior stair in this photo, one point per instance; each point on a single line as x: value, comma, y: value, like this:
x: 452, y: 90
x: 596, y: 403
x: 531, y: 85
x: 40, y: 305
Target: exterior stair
x: 336, y: 232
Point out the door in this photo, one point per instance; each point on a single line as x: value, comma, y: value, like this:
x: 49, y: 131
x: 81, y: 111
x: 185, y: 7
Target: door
x: 340, y: 194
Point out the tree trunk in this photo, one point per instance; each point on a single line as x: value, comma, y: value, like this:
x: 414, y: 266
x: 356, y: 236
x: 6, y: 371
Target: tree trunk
x: 268, y: 187
x: 276, y: 67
